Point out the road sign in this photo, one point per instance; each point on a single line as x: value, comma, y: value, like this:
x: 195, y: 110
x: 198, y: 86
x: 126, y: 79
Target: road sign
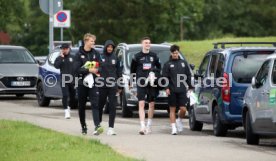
x: 62, y: 19
x: 44, y: 6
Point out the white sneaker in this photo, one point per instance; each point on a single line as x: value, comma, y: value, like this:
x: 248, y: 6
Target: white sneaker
x: 179, y: 125
x: 174, y: 131
x: 148, y: 130
x: 142, y: 131
x: 111, y: 131
x: 67, y: 114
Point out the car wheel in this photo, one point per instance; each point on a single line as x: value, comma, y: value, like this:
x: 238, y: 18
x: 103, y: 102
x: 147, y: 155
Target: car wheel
x: 251, y: 138
x: 42, y: 100
x: 193, y: 123
x: 219, y: 128
x: 19, y: 95
x: 126, y: 112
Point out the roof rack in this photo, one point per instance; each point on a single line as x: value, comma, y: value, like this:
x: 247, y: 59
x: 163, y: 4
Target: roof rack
x: 240, y: 43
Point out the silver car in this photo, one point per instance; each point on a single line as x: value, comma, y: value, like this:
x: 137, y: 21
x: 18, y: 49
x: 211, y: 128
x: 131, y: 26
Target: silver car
x: 18, y: 71
x: 259, y: 112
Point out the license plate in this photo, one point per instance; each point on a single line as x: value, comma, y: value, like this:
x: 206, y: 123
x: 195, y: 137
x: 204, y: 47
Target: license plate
x: 162, y: 94
x: 20, y: 83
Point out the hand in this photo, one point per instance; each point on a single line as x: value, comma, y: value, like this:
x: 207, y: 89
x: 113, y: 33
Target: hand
x: 168, y: 91
x: 61, y: 54
x: 119, y: 90
x: 93, y: 70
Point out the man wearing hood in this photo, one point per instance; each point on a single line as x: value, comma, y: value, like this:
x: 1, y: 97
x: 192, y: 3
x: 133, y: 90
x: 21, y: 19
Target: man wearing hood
x: 65, y: 62
x: 87, y: 53
x: 110, y: 71
x: 173, y: 70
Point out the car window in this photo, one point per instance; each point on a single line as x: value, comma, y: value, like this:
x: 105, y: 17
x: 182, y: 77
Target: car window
x: 119, y: 54
x: 262, y: 74
x: 245, y: 66
x: 274, y: 72
x: 53, y: 57
x: 220, y: 66
x: 213, y: 64
x: 204, y: 65
x: 15, y: 56
x: 163, y: 55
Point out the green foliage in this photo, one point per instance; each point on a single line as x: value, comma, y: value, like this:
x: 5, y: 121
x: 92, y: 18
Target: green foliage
x: 194, y: 51
x: 129, y: 21
x: 22, y: 141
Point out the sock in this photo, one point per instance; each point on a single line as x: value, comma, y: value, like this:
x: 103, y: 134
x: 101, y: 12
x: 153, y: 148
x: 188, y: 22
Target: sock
x: 179, y: 119
x: 173, y: 126
x: 142, y: 124
x: 149, y: 122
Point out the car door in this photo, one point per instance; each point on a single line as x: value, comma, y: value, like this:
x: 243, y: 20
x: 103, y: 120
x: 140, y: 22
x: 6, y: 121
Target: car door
x: 272, y: 95
x: 202, y: 109
x: 52, y: 78
x: 261, y: 94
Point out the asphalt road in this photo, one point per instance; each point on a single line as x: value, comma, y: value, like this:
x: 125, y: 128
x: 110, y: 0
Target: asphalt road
x: 158, y: 146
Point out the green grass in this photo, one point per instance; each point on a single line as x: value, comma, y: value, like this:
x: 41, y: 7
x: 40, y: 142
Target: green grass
x: 195, y: 50
x: 21, y: 141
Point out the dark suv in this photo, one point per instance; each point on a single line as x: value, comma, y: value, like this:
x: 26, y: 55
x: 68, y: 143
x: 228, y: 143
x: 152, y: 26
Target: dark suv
x: 225, y: 73
x: 125, y: 53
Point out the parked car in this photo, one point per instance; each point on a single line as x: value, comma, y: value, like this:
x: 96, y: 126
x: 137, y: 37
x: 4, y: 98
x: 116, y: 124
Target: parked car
x: 259, y: 110
x: 18, y: 71
x: 221, y: 104
x: 40, y: 59
x: 125, y: 53
x: 48, y: 84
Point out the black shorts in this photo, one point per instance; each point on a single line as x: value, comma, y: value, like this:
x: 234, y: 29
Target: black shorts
x: 150, y: 92
x: 178, y: 99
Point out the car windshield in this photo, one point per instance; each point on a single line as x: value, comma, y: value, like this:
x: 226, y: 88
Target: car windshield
x: 245, y: 65
x: 8, y: 56
x: 163, y: 54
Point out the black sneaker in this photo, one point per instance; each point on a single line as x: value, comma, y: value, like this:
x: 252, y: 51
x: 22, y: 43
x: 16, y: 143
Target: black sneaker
x: 84, y: 130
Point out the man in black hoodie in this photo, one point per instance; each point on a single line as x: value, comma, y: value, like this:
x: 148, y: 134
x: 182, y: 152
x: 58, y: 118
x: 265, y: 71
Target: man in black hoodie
x: 87, y: 53
x: 110, y: 71
x: 174, y: 70
x: 145, y: 65
x: 65, y: 62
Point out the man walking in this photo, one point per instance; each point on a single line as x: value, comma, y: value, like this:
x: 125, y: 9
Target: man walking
x: 145, y: 65
x: 110, y: 71
x: 65, y: 62
x: 173, y: 70
x: 87, y: 54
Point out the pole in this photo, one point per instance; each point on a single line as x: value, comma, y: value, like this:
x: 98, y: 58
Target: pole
x: 51, y: 26
x: 61, y: 29
x: 181, y: 28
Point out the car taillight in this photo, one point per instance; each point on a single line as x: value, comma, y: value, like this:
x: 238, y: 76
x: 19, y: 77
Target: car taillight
x: 225, y: 92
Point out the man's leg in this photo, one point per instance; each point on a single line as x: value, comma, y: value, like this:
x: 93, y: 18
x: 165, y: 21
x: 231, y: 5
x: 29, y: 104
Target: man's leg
x: 94, y: 100
x: 72, y: 95
x: 65, y: 94
x: 151, y: 99
x: 82, y: 95
x: 112, y: 109
x: 141, y: 98
x: 182, y: 101
x: 172, y: 103
x: 102, y: 100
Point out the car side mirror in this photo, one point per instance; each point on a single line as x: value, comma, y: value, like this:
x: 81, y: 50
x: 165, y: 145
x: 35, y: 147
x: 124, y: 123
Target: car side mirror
x: 253, y: 82
x: 192, y: 66
x: 197, y: 74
